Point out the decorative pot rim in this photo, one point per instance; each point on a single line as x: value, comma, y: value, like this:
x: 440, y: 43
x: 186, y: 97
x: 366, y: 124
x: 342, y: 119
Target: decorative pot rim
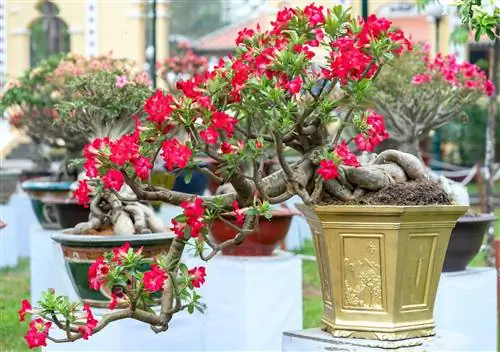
x: 386, y: 209
x: 76, y: 240
x: 45, y: 184
x: 483, y: 217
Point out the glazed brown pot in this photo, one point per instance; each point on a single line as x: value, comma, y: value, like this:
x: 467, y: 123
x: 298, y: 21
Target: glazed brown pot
x: 465, y: 241
x: 260, y: 243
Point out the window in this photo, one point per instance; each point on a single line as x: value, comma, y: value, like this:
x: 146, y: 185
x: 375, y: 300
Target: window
x: 49, y: 34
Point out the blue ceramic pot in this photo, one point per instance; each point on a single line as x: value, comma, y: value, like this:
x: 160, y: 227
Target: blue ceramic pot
x: 198, y: 184
x: 44, y: 194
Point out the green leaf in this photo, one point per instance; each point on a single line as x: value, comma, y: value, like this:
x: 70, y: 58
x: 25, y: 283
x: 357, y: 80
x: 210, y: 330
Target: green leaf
x: 188, y: 175
x: 190, y: 308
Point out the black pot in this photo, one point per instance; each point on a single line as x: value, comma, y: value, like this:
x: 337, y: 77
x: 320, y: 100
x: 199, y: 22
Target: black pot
x: 31, y: 174
x: 197, y: 185
x: 465, y: 241
x: 70, y: 214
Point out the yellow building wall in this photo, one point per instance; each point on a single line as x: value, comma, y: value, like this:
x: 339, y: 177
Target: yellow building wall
x: 121, y: 29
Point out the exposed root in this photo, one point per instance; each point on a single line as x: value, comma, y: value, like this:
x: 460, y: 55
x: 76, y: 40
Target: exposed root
x: 376, y: 174
x: 125, y: 217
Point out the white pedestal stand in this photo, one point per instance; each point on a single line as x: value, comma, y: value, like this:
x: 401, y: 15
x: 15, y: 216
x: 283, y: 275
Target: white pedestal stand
x: 8, y: 240
x: 465, y: 314
x: 24, y: 219
x: 251, y: 301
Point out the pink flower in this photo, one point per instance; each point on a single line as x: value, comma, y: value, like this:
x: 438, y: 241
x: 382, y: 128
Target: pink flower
x: 210, y: 135
x: 142, y: 167
x: 153, y: 280
x: 113, y: 179
x: 421, y: 78
x: 174, y: 153
x: 328, y: 169
x: 82, y: 193
x: 97, y: 273
x: 240, y: 214
x: 197, y: 275
x: 37, y: 333
x: 348, y: 157
x: 25, y: 308
x: 121, y: 81
x: 294, y: 85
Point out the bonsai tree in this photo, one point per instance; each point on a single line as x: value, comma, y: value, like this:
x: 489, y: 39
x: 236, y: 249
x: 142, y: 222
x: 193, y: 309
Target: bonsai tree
x: 417, y: 93
x: 259, y: 100
x: 30, y: 102
x: 185, y: 65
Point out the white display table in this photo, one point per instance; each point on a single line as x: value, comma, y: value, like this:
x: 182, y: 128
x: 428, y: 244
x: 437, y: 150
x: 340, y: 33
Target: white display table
x: 8, y: 239
x: 24, y: 219
x: 465, y: 314
x: 250, y: 301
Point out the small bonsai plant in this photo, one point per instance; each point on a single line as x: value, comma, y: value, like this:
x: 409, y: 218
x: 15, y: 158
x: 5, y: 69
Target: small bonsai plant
x: 262, y: 99
x: 417, y: 94
x: 184, y: 65
x: 30, y: 102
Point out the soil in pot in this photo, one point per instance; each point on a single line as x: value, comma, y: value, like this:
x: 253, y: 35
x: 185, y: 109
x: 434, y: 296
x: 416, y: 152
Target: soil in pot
x: 80, y: 251
x: 466, y: 240
x: 259, y: 243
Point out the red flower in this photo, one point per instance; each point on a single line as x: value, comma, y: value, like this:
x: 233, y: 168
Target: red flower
x: 258, y: 144
x: 82, y: 193
x: 348, y: 157
x: 142, y: 167
x: 244, y: 35
x: 88, y: 329
x: 25, y: 308
x: 124, y: 149
x: 224, y: 122
x: 226, y: 148
x: 37, y: 333
x: 197, y: 275
x: 97, y: 273
x: 159, y: 107
x: 154, y: 279
x: 114, y: 301
x: 240, y: 215
x: 193, y: 209
x: 121, y: 252
x: 174, y: 153
x: 178, y: 228
x: 113, y: 179
x: 210, y: 135
x: 328, y: 169
x: 314, y: 14
x: 294, y: 85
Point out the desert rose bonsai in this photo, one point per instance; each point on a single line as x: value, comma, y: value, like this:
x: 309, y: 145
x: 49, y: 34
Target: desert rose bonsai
x: 418, y: 93
x: 261, y: 100
x: 31, y: 101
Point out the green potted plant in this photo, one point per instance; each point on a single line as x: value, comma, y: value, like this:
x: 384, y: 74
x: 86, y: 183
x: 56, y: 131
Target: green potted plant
x: 30, y: 104
x: 419, y: 93
x: 369, y: 216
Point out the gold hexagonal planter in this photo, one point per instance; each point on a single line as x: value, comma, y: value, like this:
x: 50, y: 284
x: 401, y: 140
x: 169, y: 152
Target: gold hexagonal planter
x: 380, y: 267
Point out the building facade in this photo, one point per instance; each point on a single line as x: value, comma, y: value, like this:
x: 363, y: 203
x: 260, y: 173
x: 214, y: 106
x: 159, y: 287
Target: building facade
x: 87, y: 27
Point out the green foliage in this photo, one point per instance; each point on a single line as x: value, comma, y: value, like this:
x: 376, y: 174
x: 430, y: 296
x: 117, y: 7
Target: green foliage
x: 99, y: 107
x: 481, y: 16
x: 470, y: 133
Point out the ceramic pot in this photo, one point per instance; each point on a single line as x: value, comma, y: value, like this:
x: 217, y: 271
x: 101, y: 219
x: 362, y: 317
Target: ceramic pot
x: 42, y: 189
x: 260, y: 243
x: 8, y: 184
x: 380, y: 267
x: 465, y: 241
x: 197, y: 185
x: 80, y: 251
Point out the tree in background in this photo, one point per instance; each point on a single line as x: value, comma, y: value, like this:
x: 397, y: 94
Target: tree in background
x: 194, y: 18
